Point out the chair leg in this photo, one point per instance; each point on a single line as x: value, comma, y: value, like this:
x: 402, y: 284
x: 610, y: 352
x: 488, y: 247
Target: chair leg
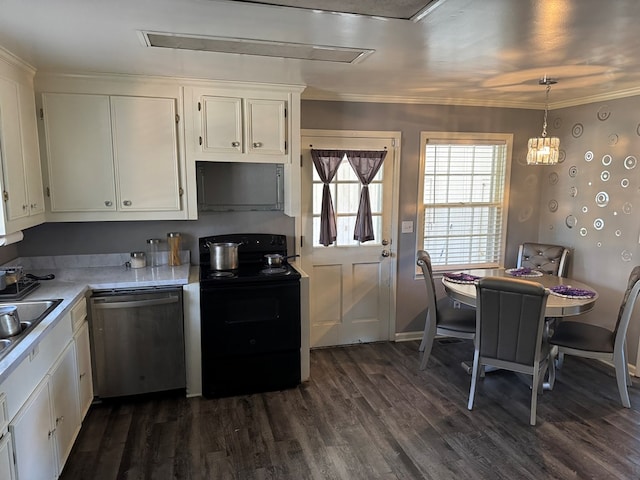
x: 622, y: 374
x: 626, y: 366
x: 474, y: 378
x: 537, y: 378
x: 560, y: 360
x: 551, y: 365
x: 427, y: 340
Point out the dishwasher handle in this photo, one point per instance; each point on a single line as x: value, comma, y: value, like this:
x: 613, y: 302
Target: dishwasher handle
x: 135, y: 303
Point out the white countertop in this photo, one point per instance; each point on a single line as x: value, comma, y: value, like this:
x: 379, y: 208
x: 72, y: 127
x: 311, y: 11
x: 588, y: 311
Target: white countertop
x: 71, y: 284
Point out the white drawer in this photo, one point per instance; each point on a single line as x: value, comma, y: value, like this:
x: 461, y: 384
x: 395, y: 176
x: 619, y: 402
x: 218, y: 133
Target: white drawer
x: 78, y: 313
x: 24, y: 379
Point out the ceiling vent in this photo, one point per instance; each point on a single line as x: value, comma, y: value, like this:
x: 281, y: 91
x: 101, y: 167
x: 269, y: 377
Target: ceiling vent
x: 414, y: 10
x: 247, y: 46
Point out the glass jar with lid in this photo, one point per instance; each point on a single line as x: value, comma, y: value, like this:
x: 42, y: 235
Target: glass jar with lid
x: 154, y: 254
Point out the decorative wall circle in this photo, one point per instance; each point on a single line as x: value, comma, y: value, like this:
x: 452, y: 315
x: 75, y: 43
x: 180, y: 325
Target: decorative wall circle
x: 571, y: 221
x: 588, y: 155
x: 551, y: 226
x: 573, y: 192
x: 613, y: 139
x: 573, y: 171
x: 606, y: 160
x: 599, y: 244
x: 553, y: 206
x: 630, y: 162
x: 598, y: 224
x: 624, y: 183
x: 605, y: 175
x: 602, y: 199
x: 553, y: 178
x: 577, y: 130
x: 627, y: 207
x: 557, y: 122
x: 603, y: 113
x: 638, y: 129
x: 626, y: 256
x: 618, y: 233
x: 583, y: 232
x: 585, y: 209
x: 562, y: 155
x: 525, y: 214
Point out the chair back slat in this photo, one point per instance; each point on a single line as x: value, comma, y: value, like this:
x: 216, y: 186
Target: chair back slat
x: 424, y: 261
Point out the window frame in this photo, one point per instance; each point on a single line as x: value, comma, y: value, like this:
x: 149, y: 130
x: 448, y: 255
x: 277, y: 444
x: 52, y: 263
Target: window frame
x: 463, y: 138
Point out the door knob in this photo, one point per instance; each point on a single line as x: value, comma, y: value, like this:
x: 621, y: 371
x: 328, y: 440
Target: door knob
x: 235, y: 144
x: 108, y: 203
x: 127, y: 203
x: 385, y: 242
x: 257, y: 144
x: 386, y: 253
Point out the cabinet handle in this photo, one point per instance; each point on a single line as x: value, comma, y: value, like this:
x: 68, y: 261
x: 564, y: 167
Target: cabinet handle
x: 127, y: 203
x: 58, y: 420
x: 82, y: 375
x: 108, y: 203
x: 257, y: 144
x: 200, y: 140
x: 51, y: 433
x: 33, y: 206
x: 24, y: 207
x: 235, y: 144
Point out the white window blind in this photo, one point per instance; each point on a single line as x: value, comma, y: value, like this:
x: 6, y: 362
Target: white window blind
x: 464, y: 201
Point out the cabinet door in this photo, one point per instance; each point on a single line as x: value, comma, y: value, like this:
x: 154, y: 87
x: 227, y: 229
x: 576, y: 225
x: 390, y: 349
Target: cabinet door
x: 85, y: 379
x: 15, y: 187
x: 64, y: 400
x: 6, y: 458
x: 266, y: 131
x: 30, y: 150
x: 146, y: 153
x: 221, y: 125
x: 79, y: 152
x: 33, y: 437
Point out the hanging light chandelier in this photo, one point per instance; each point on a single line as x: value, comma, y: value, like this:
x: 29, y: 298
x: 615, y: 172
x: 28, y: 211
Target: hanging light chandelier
x: 544, y: 150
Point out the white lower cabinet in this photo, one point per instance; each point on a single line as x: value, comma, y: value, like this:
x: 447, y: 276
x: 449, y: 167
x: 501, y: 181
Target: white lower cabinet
x: 45, y: 428
x: 33, y: 437
x: 6, y: 457
x: 85, y: 379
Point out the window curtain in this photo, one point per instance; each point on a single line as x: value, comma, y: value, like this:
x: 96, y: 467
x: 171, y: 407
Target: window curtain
x: 365, y: 164
x: 327, y: 163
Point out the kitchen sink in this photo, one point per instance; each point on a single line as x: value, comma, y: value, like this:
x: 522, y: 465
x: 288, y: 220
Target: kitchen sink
x: 30, y: 313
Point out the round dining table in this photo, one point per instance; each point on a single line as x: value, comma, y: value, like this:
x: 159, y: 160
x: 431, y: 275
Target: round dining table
x: 557, y: 306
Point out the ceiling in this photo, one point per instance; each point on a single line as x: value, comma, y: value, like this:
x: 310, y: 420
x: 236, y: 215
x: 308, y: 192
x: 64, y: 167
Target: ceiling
x: 465, y: 52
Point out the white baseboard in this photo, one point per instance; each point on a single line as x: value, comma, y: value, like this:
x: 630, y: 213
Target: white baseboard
x: 407, y: 336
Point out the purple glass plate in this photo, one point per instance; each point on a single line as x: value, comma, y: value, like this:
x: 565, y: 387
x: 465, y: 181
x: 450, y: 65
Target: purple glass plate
x: 460, y: 277
x: 571, y: 292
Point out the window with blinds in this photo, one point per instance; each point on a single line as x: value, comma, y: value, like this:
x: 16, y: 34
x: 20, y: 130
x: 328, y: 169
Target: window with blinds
x: 464, y: 199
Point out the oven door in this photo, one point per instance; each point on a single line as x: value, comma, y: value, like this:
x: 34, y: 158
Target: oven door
x: 250, y: 319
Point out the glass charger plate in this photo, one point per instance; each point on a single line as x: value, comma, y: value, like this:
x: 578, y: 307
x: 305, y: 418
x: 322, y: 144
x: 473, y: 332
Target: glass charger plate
x: 566, y: 291
x: 461, y: 278
x: 523, y: 272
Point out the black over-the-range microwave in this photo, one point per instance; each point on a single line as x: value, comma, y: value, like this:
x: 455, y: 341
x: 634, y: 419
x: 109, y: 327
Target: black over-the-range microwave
x: 234, y: 186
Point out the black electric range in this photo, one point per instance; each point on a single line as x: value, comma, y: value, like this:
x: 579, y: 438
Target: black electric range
x: 249, y: 319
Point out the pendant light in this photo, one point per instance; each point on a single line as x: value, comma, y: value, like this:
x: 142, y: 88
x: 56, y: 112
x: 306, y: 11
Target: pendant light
x: 544, y: 150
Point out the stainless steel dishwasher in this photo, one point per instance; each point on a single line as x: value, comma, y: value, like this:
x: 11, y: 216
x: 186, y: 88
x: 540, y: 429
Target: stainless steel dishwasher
x: 137, y: 340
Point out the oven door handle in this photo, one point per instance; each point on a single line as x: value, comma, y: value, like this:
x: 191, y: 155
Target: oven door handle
x: 136, y: 303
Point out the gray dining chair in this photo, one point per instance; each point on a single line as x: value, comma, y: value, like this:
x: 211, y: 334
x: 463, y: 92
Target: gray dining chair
x: 596, y: 341
x: 551, y: 259
x: 509, y: 332
x: 442, y: 317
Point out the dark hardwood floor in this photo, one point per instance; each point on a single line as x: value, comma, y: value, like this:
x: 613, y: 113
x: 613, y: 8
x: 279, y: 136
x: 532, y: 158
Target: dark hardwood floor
x: 369, y: 413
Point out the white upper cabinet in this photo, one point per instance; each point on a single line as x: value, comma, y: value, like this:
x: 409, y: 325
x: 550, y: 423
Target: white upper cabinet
x: 244, y: 125
x: 22, y: 194
x: 112, y: 157
x: 79, y: 152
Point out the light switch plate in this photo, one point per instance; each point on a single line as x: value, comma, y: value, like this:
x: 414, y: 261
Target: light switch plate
x: 407, y: 226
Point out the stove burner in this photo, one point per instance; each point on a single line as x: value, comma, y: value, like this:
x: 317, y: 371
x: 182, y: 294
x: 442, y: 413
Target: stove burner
x: 272, y: 270
x: 221, y: 274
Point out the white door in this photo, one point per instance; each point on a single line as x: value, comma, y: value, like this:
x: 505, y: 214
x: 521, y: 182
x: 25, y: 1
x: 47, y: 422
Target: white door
x: 351, y: 283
